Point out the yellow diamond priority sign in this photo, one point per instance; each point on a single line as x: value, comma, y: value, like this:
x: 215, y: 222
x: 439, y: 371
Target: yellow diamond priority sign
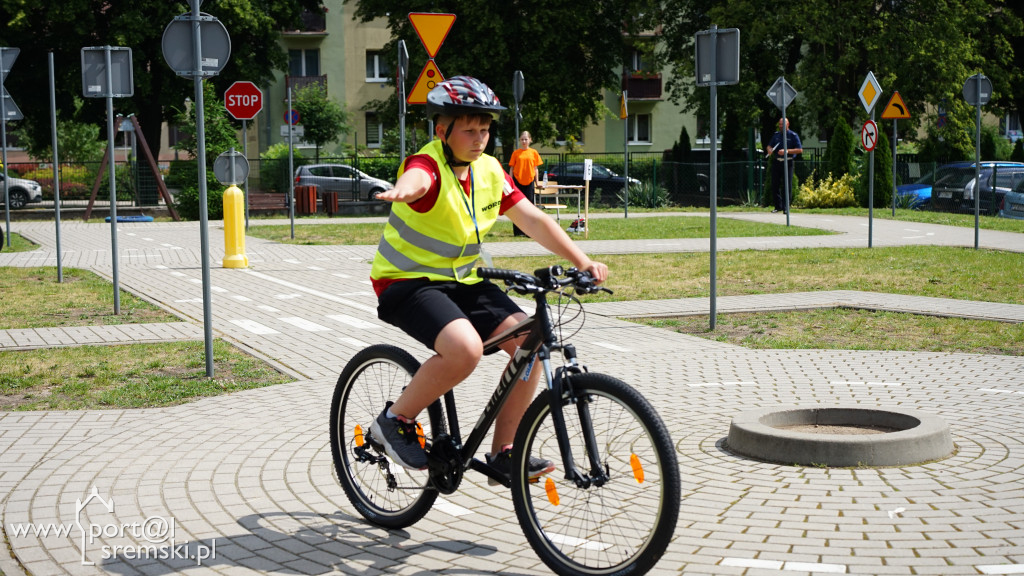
x: 869, y: 92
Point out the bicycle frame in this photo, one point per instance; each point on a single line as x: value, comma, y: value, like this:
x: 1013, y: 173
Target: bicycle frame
x: 540, y: 341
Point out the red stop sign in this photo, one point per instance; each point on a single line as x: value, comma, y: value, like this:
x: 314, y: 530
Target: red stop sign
x: 243, y: 100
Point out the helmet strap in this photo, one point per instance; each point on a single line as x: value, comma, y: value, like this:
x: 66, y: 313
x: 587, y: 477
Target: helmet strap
x: 448, y: 154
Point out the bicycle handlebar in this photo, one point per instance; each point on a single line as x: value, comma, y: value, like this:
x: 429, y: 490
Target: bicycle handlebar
x: 544, y: 279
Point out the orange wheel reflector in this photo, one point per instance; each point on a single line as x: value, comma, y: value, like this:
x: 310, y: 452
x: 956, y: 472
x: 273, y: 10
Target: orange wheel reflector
x: 638, y: 468
x: 359, y: 435
x: 549, y: 487
x: 419, y: 434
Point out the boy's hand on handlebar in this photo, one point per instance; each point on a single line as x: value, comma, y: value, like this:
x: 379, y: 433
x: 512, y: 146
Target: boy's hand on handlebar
x: 597, y: 270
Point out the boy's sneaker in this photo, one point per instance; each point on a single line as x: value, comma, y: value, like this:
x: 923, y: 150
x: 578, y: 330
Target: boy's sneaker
x: 401, y: 440
x: 503, y: 463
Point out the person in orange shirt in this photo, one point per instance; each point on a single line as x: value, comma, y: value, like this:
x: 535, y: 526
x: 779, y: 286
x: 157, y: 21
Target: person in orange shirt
x: 523, y: 168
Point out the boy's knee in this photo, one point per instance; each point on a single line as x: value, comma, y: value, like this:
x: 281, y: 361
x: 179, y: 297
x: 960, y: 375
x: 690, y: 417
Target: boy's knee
x: 460, y: 348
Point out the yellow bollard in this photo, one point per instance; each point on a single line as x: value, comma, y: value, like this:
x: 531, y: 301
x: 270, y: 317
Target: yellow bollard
x: 234, y: 229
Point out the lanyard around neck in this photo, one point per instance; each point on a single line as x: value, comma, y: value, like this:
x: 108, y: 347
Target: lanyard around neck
x: 471, y: 205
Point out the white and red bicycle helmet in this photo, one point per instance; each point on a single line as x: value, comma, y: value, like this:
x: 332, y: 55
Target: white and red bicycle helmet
x: 460, y: 95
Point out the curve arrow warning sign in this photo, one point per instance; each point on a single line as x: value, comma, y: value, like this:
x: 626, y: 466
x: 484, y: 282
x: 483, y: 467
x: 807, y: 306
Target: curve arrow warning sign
x: 896, y: 109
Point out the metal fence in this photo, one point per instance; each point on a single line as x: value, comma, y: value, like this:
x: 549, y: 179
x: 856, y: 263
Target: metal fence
x: 684, y: 183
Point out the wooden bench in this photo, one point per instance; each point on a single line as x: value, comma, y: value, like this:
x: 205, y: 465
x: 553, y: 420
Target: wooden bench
x: 267, y: 202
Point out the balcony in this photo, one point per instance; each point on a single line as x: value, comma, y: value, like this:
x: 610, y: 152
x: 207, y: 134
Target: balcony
x: 312, y: 24
x: 642, y: 86
x: 296, y: 83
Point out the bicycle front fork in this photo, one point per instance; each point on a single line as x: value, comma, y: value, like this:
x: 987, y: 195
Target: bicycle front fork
x: 561, y: 394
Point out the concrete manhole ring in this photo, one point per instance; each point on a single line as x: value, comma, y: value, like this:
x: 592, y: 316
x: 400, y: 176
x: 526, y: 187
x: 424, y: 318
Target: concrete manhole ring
x: 840, y: 436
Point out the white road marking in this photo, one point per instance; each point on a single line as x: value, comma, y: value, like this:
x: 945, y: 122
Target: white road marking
x: 305, y: 324
x: 266, y: 308
x: 353, y: 341
x: 353, y: 321
x: 324, y: 295
x: 253, y: 326
x: 611, y: 346
x: 451, y: 509
x: 1001, y: 569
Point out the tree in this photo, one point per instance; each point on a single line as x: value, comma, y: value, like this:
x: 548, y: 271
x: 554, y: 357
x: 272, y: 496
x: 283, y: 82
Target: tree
x: 839, y: 154
x: 323, y: 120
x: 923, y: 48
x: 39, y: 27
x: 77, y: 142
x: 568, y: 55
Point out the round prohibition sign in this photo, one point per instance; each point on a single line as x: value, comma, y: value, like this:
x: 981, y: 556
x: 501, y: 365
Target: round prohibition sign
x: 869, y: 135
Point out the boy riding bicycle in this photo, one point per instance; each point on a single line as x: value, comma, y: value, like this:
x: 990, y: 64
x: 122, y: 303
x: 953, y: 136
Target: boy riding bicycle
x: 446, y: 199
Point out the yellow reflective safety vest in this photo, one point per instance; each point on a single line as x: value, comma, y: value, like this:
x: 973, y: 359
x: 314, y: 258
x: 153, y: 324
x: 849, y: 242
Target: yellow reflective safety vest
x: 442, y: 243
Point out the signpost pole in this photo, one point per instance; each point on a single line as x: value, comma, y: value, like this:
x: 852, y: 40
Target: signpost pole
x: 291, y: 165
x: 245, y: 186
x: 113, y: 182
x: 871, y: 187
x: 56, y: 167
x: 714, y: 177
x: 625, y: 157
x: 894, y: 167
x: 785, y: 158
x: 204, y: 233
x: 977, y: 158
x: 3, y: 137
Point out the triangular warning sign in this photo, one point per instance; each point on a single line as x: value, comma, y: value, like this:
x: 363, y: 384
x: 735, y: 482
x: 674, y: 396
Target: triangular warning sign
x: 429, y: 78
x: 896, y: 109
x: 432, y: 29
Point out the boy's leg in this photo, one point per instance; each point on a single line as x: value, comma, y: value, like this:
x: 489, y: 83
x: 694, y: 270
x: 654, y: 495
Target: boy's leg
x: 459, y: 350
x: 522, y: 393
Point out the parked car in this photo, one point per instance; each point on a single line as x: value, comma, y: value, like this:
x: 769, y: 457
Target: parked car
x: 954, y: 191
x: 345, y: 180
x: 919, y: 193
x: 601, y: 178
x: 1013, y: 203
x: 21, y: 192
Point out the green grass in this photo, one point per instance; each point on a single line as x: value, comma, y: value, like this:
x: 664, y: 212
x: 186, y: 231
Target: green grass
x: 96, y: 377
x: 34, y: 299
x: 937, y: 271
x: 129, y: 376
x: 602, y: 229
x: 18, y: 244
x: 845, y: 329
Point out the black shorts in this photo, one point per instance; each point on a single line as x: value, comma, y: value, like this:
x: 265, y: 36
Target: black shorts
x: 422, y: 308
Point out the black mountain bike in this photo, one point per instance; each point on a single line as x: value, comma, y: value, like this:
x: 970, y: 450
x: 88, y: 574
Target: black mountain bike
x: 611, y: 505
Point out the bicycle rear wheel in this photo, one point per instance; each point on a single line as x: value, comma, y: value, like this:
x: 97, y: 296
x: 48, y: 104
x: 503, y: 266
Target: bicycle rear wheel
x: 621, y: 527
x: 381, y: 490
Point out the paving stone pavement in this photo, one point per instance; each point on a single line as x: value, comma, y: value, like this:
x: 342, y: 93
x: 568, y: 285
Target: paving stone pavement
x: 247, y: 480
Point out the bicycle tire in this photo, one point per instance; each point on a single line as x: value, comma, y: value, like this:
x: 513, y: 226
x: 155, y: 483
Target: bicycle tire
x: 622, y: 527
x: 384, y: 492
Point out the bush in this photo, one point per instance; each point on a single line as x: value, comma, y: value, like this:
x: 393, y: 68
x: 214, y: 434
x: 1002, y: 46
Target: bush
x: 646, y: 195
x: 839, y: 153
x: 186, y: 202
x: 828, y: 193
x: 274, y: 175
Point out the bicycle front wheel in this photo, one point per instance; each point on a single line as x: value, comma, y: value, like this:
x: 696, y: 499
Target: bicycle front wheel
x: 381, y: 490
x: 622, y: 526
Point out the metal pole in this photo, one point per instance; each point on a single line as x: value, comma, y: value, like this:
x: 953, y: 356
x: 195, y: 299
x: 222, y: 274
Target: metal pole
x: 113, y: 183
x: 245, y: 186
x: 871, y: 188
x: 204, y: 234
x: 3, y: 152
x: 894, y: 121
x: 56, y: 168
x: 291, y: 165
x: 977, y: 158
x: 785, y: 158
x: 625, y: 155
x: 714, y: 177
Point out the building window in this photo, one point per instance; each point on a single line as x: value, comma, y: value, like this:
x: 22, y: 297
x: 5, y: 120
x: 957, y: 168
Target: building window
x: 377, y: 68
x: 374, y: 130
x: 639, y: 127
x: 304, y: 62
